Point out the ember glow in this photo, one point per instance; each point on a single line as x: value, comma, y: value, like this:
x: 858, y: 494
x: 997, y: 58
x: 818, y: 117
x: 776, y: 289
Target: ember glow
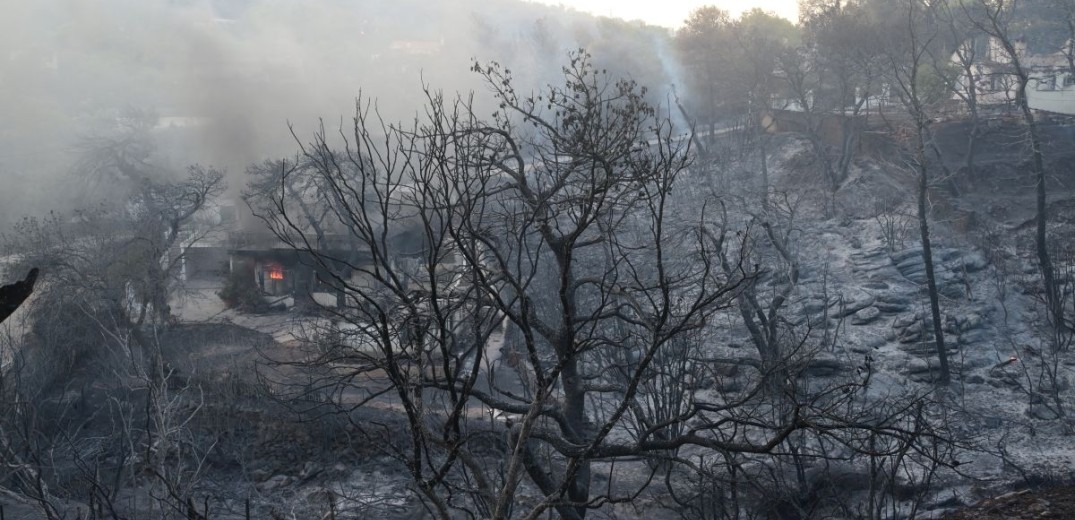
x: 276, y: 273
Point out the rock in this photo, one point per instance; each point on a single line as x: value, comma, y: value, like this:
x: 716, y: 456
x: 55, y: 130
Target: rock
x: 906, y: 253
x: 854, y: 305
x: 916, y: 366
x: 974, y: 379
x: 824, y: 367
x: 974, y: 261
x: 1041, y: 413
x: 950, y: 502
x: 1040, y: 507
x: 868, y: 345
x: 884, y: 273
x: 911, y: 265
x: 910, y: 335
x: 1001, y: 377
x: 872, y: 255
x: 951, y: 325
x: 730, y: 385
x: 1061, y: 384
x: 276, y: 482
x: 973, y: 336
x: 725, y: 369
x: 944, y: 254
x: 815, y: 306
x: 920, y: 371
x: 917, y: 278
x: 876, y: 342
x: 927, y: 348
x: 900, y: 297
x: 893, y: 298
x: 903, y: 322
x: 876, y: 285
x: 891, y: 308
x: 969, y: 322
x: 865, y: 316
x: 310, y: 470
x: 954, y: 291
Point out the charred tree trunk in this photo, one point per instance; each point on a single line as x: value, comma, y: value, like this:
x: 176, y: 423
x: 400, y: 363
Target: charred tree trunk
x: 847, y: 147
x: 578, y: 488
x: 927, y: 254
x: 1052, y: 299
x: 761, y: 135
x: 996, y: 25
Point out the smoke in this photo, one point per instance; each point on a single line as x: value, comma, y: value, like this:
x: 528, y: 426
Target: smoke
x: 226, y: 77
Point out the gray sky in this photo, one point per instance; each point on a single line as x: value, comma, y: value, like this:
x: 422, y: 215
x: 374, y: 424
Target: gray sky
x: 671, y: 13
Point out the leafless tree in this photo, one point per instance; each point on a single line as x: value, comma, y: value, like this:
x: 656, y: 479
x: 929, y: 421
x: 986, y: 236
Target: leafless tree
x: 1067, y: 13
x: 908, y: 56
x: 994, y: 18
x: 833, y: 77
x: 961, y: 41
x: 553, y: 226
x: 111, y: 273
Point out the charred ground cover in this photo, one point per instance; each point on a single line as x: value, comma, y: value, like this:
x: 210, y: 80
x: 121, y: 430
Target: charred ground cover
x: 830, y: 281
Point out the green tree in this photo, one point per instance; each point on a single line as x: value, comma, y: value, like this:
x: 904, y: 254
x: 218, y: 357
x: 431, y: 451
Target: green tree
x: 706, y: 44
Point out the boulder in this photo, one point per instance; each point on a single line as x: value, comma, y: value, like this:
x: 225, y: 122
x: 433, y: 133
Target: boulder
x: 969, y: 322
x: 900, y: 256
x: 903, y: 322
x: 911, y: 265
x: 973, y: 262
x: 276, y: 482
x: 824, y: 367
x: 890, y: 307
x: 854, y: 304
x: 865, y: 316
x: 876, y: 285
x: 973, y: 336
x: 951, y: 290
x: 1041, y: 413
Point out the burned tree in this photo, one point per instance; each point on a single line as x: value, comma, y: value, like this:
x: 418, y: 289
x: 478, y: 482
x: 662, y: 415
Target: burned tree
x: 113, y: 269
x: 909, y: 49
x: 533, y: 299
x: 994, y: 18
x: 553, y: 222
x: 103, y: 308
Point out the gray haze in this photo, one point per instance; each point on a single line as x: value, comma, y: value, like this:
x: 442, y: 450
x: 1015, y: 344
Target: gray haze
x: 224, y: 77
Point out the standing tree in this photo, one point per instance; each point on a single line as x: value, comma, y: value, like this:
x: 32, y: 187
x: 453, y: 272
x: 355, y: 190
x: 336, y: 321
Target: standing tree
x: 834, y: 76
x: 960, y: 50
x: 554, y: 219
x: 994, y: 18
x: 762, y: 38
x: 706, y: 45
x: 104, y: 306
x: 532, y: 300
x: 908, y: 58
x: 1067, y: 12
